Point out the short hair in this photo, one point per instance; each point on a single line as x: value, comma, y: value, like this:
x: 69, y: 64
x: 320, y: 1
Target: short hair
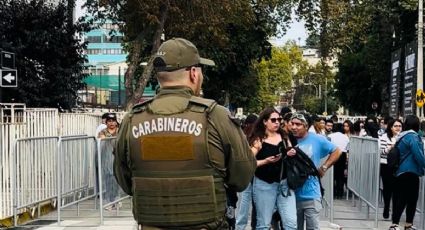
x: 411, y: 123
x: 334, y: 117
x: 284, y: 111
x: 329, y: 121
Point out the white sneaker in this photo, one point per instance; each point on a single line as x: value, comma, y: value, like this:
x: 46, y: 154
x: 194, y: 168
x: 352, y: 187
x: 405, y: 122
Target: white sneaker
x: 111, y: 208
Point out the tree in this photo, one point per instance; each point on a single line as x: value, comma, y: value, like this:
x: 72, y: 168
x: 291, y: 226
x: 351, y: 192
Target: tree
x: 49, y: 55
x: 276, y: 75
x: 210, y: 25
x: 355, y: 31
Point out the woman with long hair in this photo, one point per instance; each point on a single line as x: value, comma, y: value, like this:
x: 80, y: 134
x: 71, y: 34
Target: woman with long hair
x: 412, y: 164
x: 348, y: 128
x: 270, y: 188
x: 386, y: 143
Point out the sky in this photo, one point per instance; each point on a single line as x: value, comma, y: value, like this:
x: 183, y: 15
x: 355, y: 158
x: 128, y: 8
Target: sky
x: 296, y: 31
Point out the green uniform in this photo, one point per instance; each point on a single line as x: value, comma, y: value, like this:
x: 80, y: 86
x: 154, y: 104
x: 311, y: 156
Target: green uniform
x: 174, y: 154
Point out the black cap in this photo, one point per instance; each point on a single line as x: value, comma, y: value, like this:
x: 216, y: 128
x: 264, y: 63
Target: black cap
x: 285, y: 110
x: 111, y: 116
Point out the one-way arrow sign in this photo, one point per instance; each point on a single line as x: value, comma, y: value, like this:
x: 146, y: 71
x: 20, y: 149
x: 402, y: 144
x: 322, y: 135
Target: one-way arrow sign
x: 9, y: 78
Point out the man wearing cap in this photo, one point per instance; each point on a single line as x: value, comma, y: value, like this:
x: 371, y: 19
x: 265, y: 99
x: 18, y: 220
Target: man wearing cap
x: 176, y: 152
x: 111, y: 129
x: 309, y: 195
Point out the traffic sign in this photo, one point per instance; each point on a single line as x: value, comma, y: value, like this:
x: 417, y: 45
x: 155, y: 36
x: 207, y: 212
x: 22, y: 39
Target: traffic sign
x: 7, y: 60
x: 420, y: 98
x: 9, y: 78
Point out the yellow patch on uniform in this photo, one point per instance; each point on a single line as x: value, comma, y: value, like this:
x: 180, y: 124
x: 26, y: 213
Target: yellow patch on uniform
x: 167, y: 148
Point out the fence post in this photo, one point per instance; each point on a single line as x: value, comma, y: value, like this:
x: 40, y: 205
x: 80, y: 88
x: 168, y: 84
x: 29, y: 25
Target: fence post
x: 378, y: 156
x: 14, y: 184
x: 58, y: 177
x: 99, y: 170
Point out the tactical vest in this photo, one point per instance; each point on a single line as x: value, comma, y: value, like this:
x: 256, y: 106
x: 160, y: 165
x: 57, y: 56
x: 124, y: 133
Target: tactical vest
x: 174, y: 184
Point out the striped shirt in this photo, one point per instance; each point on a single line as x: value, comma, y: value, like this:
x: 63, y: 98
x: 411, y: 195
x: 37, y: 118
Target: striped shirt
x: 385, y: 145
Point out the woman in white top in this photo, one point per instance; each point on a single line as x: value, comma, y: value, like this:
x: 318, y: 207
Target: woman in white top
x: 387, y: 142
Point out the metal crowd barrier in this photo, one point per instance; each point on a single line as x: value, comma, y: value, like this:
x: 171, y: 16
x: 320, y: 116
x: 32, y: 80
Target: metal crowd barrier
x: 363, y: 172
x: 34, y: 177
x: 328, y: 199
x: 56, y: 170
x: 76, y: 168
x: 110, y: 193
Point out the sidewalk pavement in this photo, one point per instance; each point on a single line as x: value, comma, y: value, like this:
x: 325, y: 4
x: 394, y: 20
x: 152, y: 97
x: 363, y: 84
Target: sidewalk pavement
x: 346, y: 216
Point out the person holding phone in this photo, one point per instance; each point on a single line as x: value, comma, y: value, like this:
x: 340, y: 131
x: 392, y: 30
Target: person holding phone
x: 270, y: 189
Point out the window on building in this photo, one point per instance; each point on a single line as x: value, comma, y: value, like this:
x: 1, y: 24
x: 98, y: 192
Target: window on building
x: 93, y: 51
x: 94, y: 39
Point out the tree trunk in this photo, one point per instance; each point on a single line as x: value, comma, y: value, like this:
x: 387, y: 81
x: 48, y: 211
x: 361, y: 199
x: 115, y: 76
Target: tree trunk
x: 129, y: 74
x: 147, y: 72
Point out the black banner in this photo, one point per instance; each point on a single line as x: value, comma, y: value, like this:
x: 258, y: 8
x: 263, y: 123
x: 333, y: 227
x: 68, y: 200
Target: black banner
x: 409, y: 86
x: 395, y: 83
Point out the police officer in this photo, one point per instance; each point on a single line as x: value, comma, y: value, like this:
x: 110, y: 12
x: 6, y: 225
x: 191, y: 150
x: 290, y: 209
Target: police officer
x: 176, y: 152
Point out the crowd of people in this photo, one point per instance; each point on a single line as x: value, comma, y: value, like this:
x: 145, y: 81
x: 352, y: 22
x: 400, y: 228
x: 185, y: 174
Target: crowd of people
x: 183, y: 158
x: 325, y: 136
x: 275, y: 138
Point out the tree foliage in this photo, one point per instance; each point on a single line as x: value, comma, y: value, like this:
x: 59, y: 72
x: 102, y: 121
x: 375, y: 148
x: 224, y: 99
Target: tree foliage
x: 361, y: 34
x: 49, y: 56
x: 276, y: 75
x: 233, y: 33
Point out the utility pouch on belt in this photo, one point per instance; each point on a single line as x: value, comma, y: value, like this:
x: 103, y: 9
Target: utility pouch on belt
x: 169, y: 202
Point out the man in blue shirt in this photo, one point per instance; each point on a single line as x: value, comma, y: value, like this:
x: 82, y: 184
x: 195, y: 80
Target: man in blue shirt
x: 316, y: 147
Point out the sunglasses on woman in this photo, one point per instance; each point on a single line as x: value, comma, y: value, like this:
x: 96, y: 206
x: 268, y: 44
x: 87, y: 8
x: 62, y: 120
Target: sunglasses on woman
x: 273, y: 120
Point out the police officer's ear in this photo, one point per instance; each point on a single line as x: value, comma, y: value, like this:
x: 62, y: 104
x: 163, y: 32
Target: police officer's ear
x: 193, y: 76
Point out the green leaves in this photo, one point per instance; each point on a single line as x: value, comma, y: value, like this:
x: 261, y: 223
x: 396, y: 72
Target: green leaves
x: 275, y: 75
x: 48, y: 54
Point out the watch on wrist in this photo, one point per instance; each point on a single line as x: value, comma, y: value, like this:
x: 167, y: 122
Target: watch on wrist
x: 324, y: 168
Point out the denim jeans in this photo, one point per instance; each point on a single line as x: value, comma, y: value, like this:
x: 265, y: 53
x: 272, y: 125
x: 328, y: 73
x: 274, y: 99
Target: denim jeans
x: 245, y: 201
x: 287, y: 206
x: 268, y: 198
x: 309, y: 210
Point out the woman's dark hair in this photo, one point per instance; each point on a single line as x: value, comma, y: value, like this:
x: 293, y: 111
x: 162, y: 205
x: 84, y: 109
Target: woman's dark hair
x: 390, y: 124
x: 249, y: 123
x: 287, y: 117
x: 371, y: 129
x: 411, y: 122
x: 259, y: 130
x: 350, y: 126
x: 371, y: 117
x: 356, y: 126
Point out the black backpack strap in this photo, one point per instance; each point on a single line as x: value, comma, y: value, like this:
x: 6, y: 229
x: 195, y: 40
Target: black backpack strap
x: 310, y: 163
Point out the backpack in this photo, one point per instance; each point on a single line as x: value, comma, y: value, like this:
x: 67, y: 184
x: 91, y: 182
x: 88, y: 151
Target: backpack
x: 298, y: 168
x: 393, y: 157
